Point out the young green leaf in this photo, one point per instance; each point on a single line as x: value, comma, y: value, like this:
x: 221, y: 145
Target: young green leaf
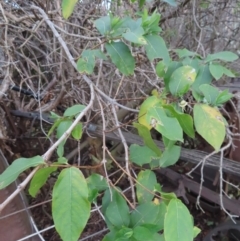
x: 181, y: 80
x: 68, y: 7
x: 121, y: 57
x: 17, y: 167
x: 176, y: 220
x: 77, y: 131
x: 146, y: 181
x: 124, y: 234
x: 209, y: 124
x: 70, y: 205
x: 141, y: 154
x: 156, y: 48
x: 74, y: 110
x: 167, y: 126
x: 135, y: 36
x: 63, y: 127
x: 103, y: 25
x: 224, y: 55
x: 144, y: 132
x: 39, y: 179
x: 161, y: 69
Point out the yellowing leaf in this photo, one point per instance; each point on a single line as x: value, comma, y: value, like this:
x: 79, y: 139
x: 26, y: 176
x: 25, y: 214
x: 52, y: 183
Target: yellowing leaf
x: 68, y: 7
x: 149, y: 102
x: 210, y: 124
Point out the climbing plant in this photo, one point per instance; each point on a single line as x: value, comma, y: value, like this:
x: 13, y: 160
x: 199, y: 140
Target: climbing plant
x: 187, y: 104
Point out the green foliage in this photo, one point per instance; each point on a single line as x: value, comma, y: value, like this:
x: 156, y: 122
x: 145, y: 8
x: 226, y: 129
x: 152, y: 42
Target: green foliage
x: 174, y: 223
x: 17, y: 167
x: 70, y: 205
x: 40, y: 179
x: 188, y: 76
x: 121, y: 57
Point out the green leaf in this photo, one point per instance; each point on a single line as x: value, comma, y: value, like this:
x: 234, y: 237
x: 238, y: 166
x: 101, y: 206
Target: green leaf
x: 141, y: 154
x: 209, y: 124
x: 17, y: 167
x: 150, y: 24
x: 194, y: 63
x: 167, y: 126
x: 98, y: 53
x: 103, y: 25
x: 61, y: 159
x: 63, y: 127
x: 149, y: 213
x: 54, y: 126
x: 146, y: 181
x: 39, y: 179
x: 77, y: 131
x: 224, y: 55
x: 181, y: 80
x: 121, y: 57
x: 196, y: 231
x: 70, y: 205
x: 182, y: 53
x: 171, y: 68
x: 124, y: 234
x: 74, y: 110
x: 142, y: 234
x: 135, y: 36
x: 185, y: 120
x: 117, y: 212
x: 98, y: 182
x: 144, y: 132
x: 170, y: 156
x: 68, y: 7
x: 60, y: 150
x: 203, y: 77
x: 223, y: 97
x: 156, y: 48
x: 210, y: 93
x: 176, y: 220
x: 87, y: 62
x: 171, y: 2
x: 218, y: 71
x: 160, y: 69
x: 110, y: 236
